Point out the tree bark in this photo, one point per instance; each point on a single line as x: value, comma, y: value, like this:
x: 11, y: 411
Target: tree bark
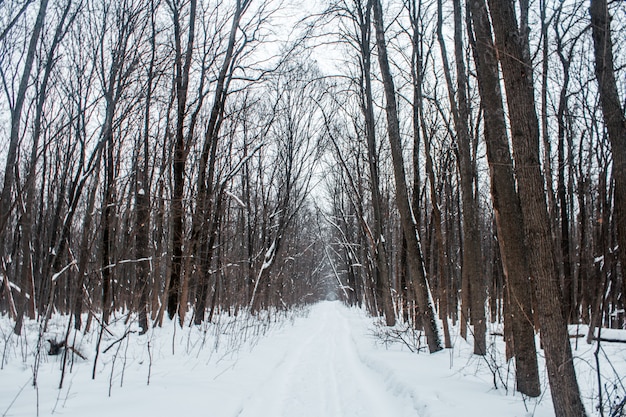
x: 16, y: 116
x: 182, y: 68
x: 472, y: 271
x: 508, y: 212
x: 143, y: 271
x: 416, y: 263
x: 382, y: 265
x: 512, y: 46
x: 614, y: 118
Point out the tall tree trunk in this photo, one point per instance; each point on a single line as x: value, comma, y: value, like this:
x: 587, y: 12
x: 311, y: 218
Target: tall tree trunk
x: 472, y: 271
x: 440, y: 251
x: 182, y: 66
x: 508, y: 212
x: 382, y: 275
x: 569, y: 301
x: 108, y: 211
x: 614, y: 118
x: 416, y: 263
x: 547, y: 145
x: 202, y: 232
x: 512, y: 46
x: 142, y: 193
x: 28, y: 278
x: 16, y: 116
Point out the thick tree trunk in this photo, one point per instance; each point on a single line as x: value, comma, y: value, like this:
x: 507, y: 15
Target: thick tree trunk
x: 517, y: 70
x: 416, y: 263
x: 509, y: 221
x: 614, y: 118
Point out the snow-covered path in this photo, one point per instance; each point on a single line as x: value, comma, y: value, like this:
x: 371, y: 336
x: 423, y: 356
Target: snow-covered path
x: 322, y: 374
x: 326, y: 364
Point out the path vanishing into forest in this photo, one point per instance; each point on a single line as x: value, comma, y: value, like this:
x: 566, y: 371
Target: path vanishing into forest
x: 325, y: 363
x: 322, y: 373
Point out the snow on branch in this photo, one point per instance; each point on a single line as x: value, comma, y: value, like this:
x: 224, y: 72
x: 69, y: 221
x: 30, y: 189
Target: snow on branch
x: 65, y: 268
x: 237, y: 199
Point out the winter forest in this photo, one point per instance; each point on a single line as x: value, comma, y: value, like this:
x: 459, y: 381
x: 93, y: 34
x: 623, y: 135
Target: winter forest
x: 416, y: 203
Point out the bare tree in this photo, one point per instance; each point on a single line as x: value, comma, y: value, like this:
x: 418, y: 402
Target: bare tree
x: 6, y: 197
x: 506, y: 204
x: 613, y: 111
x: 361, y: 13
x: 297, y: 147
x: 28, y: 193
x: 115, y: 79
x: 416, y: 266
x: 512, y: 45
x: 143, y: 186
x: 209, y: 197
x: 472, y: 252
x: 182, y: 66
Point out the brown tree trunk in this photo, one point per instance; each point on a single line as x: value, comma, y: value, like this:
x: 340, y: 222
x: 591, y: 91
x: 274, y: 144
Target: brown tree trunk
x: 182, y: 67
x: 416, y: 263
x: 109, y: 203
x: 382, y: 275
x: 16, y: 116
x: 207, y: 208
x: 614, y: 118
x: 472, y: 271
x: 507, y: 207
x: 143, y: 271
x: 569, y: 301
x: 512, y: 46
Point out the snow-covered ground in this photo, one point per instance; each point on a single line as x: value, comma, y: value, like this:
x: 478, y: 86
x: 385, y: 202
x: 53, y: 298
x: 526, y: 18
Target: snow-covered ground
x: 320, y: 362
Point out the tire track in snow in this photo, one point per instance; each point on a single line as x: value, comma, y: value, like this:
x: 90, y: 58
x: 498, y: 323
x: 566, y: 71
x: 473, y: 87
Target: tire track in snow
x: 324, y: 375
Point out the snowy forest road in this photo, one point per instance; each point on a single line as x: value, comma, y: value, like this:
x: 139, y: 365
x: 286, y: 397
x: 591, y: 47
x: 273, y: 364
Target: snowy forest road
x: 322, y: 374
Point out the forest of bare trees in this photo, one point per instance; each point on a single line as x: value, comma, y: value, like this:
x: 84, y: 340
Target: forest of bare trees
x: 442, y: 164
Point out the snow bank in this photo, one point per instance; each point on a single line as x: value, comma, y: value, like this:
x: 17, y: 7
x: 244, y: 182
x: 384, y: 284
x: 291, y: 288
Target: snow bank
x: 324, y: 362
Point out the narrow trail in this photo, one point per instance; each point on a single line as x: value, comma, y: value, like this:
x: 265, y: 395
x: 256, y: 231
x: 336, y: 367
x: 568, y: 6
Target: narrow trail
x: 322, y: 374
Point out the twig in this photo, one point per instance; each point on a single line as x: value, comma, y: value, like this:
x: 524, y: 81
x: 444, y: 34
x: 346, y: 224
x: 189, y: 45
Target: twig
x: 149, y: 363
x: 119, y: 340
x: 73, y: 349
x: 16, y: 397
